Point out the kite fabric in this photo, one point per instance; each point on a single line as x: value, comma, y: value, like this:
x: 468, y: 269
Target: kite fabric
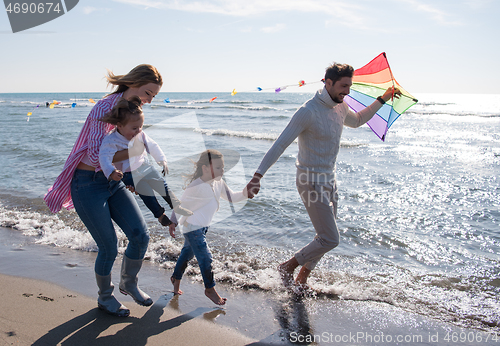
x: 372, y: 80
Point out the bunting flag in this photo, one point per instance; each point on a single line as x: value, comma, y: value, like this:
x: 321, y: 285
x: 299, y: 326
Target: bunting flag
x: 31, y: 113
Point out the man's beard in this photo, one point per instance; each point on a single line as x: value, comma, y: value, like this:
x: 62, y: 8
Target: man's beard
x: 338, y: 99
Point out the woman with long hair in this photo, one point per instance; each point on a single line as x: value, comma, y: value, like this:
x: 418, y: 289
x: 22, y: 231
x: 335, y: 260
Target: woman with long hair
x: 98, y: 202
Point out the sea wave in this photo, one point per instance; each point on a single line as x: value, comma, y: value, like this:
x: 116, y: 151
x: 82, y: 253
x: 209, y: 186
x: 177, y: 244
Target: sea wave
x: 435, y: 103
x: 23, y: 103
x: 257, y: 108
x: 42, y: 104
x: 266, y: 136
x: 464, y: 113
x: 198, y: 105
x: 178, y: 106
x: 242, y: 134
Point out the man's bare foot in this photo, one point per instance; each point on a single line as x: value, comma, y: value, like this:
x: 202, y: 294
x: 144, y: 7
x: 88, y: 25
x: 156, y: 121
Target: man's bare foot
x: 301, y: 288
x: 286, y: 270
x: 176, y: 284
x: 212, y: 294
x: 302, y: 276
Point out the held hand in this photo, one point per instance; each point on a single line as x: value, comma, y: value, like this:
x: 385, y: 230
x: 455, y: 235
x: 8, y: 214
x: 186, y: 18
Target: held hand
x: 165, y: 167
x: 253, y: 186
x: 116, y: 175
x: 171, y: 229
x: 389, y: 93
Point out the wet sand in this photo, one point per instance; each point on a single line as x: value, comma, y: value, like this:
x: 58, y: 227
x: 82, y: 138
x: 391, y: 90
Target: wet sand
x: 35, y: 312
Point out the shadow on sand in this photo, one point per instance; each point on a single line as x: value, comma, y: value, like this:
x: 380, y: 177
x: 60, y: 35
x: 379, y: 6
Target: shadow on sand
x: 85, y: 329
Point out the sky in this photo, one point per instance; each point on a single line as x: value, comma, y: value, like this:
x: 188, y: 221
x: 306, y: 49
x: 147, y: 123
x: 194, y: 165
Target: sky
x: 433, y: 46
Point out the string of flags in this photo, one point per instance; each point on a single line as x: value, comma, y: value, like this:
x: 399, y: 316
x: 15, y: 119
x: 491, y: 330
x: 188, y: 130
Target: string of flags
x: 276, y: 89
x: 167, y: 100
x: 369, y: 82
x: 31, y: 113
x: 51, y: 106
x: 280, y: 88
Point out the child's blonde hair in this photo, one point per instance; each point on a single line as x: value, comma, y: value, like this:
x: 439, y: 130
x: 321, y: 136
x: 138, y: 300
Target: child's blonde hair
x: 123, y: 111
x: 205, y: 159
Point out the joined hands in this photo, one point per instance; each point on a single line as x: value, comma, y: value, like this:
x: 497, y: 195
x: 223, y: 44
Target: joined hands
x: 253, y: 187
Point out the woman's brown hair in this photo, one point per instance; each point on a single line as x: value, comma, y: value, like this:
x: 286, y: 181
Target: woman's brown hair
x: 137, y: 77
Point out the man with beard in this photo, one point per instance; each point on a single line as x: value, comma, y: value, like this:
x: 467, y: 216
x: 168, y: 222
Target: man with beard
x: 318, y: 124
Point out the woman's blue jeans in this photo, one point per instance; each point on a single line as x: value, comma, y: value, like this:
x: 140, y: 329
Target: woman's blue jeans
x: 195, y: 244
x: 98, y: 201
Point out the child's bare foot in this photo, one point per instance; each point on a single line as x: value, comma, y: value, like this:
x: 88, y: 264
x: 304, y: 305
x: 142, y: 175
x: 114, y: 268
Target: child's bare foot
x: 212, y: 294
x: 176, y: 284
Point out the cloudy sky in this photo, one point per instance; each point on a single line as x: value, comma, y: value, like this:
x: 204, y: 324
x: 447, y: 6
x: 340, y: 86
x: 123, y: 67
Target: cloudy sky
x: 433, y: 46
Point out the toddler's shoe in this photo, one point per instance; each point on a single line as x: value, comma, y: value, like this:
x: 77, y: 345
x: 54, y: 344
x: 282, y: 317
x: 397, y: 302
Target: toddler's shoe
x: 164, y: 220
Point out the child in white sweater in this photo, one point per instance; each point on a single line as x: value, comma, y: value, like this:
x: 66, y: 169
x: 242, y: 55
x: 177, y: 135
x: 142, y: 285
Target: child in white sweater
x: 128, y: 117
x: 202, y: 197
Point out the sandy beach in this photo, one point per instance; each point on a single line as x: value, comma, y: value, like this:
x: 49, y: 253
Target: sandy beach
x: 48, y: 297
x: 39, y: 312
x: 35, y: 312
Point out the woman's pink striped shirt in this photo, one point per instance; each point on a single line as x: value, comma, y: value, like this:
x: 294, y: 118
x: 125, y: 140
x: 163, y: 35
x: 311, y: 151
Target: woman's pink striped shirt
x: 88, y: 142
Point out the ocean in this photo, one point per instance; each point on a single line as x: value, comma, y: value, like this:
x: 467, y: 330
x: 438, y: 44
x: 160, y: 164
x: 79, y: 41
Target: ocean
x: 419, y: 214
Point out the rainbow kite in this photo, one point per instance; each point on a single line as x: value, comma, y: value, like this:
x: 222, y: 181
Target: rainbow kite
x: 372, y: 80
